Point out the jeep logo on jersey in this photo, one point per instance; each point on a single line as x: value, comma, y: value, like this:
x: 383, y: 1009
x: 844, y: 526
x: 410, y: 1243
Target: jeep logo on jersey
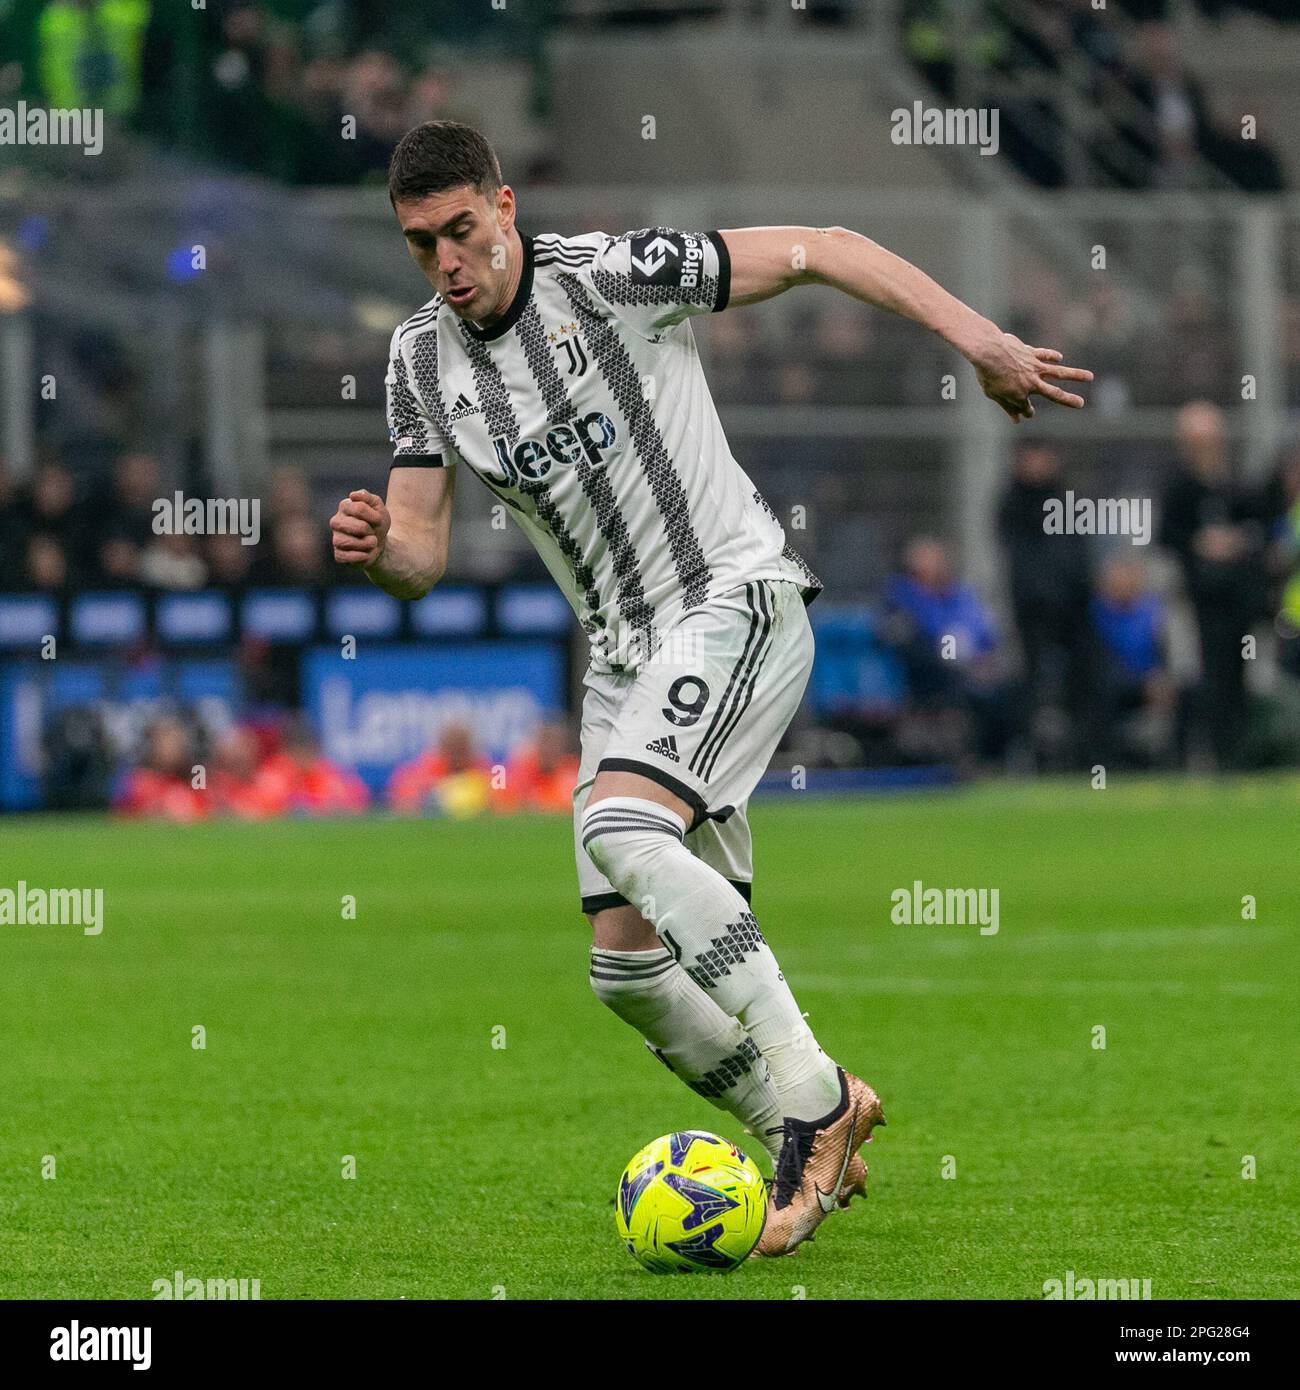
x: 676, y: 259
x: 532, y: 459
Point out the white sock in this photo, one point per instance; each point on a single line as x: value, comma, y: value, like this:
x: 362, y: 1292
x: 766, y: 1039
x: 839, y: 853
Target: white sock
x: 706, y: 924
x: 691, y: 1035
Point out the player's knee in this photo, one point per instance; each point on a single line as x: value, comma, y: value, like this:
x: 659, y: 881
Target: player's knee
x: 624, y: 834
x: 612, y: 985
x: 638, y: 986
x: 606, y: 986
x: 621, y: 928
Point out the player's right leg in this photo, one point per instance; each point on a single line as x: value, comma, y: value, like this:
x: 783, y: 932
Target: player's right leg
x: 636, y: 977
x: 640, y: 981
x: 688, y: 743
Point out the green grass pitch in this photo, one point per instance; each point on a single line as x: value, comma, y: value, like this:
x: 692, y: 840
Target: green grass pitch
x: 488, y: 1171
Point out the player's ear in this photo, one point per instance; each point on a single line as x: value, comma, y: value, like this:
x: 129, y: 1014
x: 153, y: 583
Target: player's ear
x: 505, y: 207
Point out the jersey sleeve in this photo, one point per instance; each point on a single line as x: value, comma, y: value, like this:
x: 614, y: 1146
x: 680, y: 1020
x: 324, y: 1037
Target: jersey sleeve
x: 655, y: 278
x: 417, y: 441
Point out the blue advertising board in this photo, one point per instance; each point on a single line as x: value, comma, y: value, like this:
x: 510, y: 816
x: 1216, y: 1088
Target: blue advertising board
x: 387, y: 704
x: 127, y: 695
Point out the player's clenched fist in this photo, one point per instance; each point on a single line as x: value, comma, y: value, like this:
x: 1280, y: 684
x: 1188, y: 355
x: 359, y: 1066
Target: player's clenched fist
x: 360, y: 528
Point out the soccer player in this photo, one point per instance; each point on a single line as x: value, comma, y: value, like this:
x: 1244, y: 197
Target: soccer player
x: 562, y: 372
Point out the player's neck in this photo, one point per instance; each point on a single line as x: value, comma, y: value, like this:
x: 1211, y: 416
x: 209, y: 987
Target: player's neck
x: 515, y: 256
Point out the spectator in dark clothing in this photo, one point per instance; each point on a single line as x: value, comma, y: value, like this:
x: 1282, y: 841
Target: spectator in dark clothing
x: 297, y: 556
x: 1214, y: 526
x: 51, y: 528
x: 78, y: 761
x: 49, y: 504
x: 116, y: 559
x: 230, y: 561
x: 46, y: 566
x: 120, y: 526
x: 1164, y: 122
x: 1049, y: 582
x: 126, y: 506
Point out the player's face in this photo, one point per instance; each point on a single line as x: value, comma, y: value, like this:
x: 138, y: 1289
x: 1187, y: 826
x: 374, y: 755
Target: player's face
x: 458, y: 239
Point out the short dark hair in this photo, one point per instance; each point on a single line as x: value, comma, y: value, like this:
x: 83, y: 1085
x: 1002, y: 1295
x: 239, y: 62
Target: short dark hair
x: 439, y: 155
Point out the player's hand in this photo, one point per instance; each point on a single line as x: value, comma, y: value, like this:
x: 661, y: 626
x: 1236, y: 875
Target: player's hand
x: 1011, y: 371
x: 360, y: 529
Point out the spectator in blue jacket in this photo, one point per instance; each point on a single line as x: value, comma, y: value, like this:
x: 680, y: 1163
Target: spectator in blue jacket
x: 1135, y: 696
x: 944, y: 636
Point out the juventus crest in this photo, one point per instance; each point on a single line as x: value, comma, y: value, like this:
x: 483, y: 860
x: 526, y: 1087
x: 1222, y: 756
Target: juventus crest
x: 569, y: 346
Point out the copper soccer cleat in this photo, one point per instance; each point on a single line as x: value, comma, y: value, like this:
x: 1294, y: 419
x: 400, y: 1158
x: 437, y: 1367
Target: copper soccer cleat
x: 819, y: 1168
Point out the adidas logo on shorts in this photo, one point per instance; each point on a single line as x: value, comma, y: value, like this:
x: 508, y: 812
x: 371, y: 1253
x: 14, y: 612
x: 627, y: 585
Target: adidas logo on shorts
x: 666, y: 747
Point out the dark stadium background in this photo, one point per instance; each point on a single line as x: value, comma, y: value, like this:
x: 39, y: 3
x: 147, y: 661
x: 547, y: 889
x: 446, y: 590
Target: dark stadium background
x: 129, y: 374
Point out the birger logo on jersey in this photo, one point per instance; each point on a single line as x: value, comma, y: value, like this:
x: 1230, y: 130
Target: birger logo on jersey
x: 677, y: 259
x: 532, y: 459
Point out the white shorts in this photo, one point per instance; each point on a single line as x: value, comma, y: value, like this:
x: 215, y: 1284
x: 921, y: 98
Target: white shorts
x: 702, y: 718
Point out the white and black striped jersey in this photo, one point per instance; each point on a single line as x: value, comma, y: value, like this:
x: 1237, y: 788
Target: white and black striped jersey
x: 585, y: 409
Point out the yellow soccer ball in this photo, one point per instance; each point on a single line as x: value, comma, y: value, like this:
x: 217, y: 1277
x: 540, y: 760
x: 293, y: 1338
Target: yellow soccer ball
x: 691, y: 1202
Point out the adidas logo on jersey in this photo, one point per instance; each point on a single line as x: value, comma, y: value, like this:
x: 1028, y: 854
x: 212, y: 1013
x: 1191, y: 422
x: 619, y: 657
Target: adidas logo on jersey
x: 464, y: 406
x: 666, y: 747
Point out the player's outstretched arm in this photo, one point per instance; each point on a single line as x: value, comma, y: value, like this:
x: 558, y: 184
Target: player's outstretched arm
x: 766, y: 261
x: 402, y: 545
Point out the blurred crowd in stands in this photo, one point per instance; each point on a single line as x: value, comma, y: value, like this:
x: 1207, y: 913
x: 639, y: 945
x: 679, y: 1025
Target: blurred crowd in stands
x: 806, y: 352
x: 1091, y: 617
x: 63, y: 532
x: 1077, y: 661
x: 265, y: 87
x: 318, y: 91
x: 1115, y: 72
x: 800, y: 351
x: 259, y: 770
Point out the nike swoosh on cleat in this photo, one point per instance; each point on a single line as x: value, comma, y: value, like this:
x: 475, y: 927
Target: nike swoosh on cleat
x: 826, y: 1201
